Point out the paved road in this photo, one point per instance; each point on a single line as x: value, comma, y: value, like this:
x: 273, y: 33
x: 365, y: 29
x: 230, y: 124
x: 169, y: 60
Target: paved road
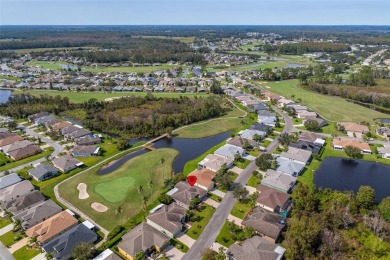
x: 221, y: 214
x: 4, y: 253
x: 57, y: 149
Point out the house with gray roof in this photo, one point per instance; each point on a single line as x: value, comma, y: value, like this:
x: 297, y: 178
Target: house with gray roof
x: 14, y: 191
x: 183, y: 193
x: 24, y: 152
x: 32, y: 118
x: 289, y: 167
x: 9, y: 180
x: 88, y: 140
x: 278, y: 180
x: 107, y: 255
x: 255, y: 248
x: 168, y: 219
x: 77, y: 134
x: 142, y: 238
x: 17, y: 145
x: 43, y: 172
x: 297, y: 155
x: 61, y: 247
x: 250, y: 133
x: 24, y: 202
x: 230, y: 151
x: 69, y: 129
x: 66, y: 163
x: 44, y: 119
x: 266, y: 223
x: 305, y: 145
x: 37, y: 214
x: 85, y: 150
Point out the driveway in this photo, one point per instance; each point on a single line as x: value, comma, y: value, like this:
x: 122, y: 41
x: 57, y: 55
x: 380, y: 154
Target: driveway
x: 185, y: 239
x: 236, y: 170
x: 236, y: 220
x: 18, y: 245
x: 251, y: 189
x: 211, y: 202
x: 218, y: 193
x: 6, y: 229
x: 174, y: 253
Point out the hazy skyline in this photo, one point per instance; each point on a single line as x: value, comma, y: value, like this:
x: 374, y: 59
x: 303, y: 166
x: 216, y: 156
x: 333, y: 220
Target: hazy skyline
x: 189, y: 12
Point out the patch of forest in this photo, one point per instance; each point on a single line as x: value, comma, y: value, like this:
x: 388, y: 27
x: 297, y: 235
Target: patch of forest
x: 307, y: 47
x: 132, y: 116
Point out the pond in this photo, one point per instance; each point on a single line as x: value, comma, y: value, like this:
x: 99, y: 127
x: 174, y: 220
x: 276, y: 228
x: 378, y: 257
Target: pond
x: 345, y: 174
x: 189, y: 149
x: 4, y: 95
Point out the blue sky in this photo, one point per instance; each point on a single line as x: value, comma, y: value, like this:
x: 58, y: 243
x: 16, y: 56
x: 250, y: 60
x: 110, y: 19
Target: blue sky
x: 190, y: 12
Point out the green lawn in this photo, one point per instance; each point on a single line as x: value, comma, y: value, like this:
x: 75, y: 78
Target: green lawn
x: 25, y: 253
x: 179, y: 245
x: 240, y: 210
x: 214, y: 197
x: 8, y: 238
x: 203, y: 216
x: 79, y: 97
x: 224, y: 237
x: 233, y: 178
x: 255, y: 152
x: 14, y: 164
x: 4, y: 222
x: 213, y: 127
x: 329, y: 107
x: 253, y: 181
x: 56, y: 65
x: 120, y: 188
x: 243, y: 164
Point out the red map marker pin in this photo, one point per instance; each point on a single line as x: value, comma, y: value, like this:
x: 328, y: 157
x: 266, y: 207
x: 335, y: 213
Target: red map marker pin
x: 191, y: 180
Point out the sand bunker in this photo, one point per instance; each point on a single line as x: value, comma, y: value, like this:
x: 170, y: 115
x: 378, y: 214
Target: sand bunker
x: 99, y: 207
x: 83, y: 194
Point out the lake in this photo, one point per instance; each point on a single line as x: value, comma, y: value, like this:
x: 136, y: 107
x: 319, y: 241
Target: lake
x: 4, y: 95
x: 344, y: 174
x: 189, y: 149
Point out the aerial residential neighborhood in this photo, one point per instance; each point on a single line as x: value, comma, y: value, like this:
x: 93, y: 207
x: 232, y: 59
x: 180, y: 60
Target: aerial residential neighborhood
x: 194, y: 142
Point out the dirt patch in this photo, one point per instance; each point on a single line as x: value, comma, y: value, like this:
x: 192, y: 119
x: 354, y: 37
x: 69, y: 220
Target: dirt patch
x: 83, y: 194
x: 99, y: 207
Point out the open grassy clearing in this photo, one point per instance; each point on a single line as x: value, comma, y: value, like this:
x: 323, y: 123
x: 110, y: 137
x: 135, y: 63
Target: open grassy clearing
x: 79, y: 97
x: 56, y: 65
x: 105, y: 189
x: 331, y: 108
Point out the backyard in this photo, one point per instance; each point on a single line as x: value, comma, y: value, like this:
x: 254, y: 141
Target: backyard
x: 112, y: 189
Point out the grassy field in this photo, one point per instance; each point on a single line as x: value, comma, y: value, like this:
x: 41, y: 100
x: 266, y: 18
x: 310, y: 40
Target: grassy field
x: 240, y: 210
x: 56, y: 65
x: 79, y: 97
x: 331, y: 108
x: 14, y: 164
x: 253, y: 181
x: 224, y: 237
x: 9, y: 238
x: 254, y: 66
x: 120, y: 188
x: 202, y: 216
x: 25, y: 253
x: 10, y: 78
x: 214, y: 127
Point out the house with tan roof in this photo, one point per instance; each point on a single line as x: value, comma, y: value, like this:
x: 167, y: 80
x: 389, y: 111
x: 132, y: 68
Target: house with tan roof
x: 17, y: 145
x: 168, y: 219
x: 297, y: 155
x: 354, y: 130
x: 14, y: 191
x: 183, y: 193
x: 24, y: 202
x: 255, y: 248
x: 52, y: 227
x: 214, y: 162
x: 25, y: 152
x: 59, y: 126
x: 204, y: 178
x: 66, y: 163
x: 142, y: 238
x: 10, y: 140
x: 273, y: 200
x: 340, y: 144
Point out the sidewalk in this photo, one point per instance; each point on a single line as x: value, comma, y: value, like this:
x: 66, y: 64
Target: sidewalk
x: 237, y: 221
x: 6, y: 229
x: 185, y: 239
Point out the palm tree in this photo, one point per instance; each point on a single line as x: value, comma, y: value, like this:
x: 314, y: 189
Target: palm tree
x: 119, y: 211
x: 145, y: 200
x: 150, y: 185
x: 162, y: 161
x: 140, y: 189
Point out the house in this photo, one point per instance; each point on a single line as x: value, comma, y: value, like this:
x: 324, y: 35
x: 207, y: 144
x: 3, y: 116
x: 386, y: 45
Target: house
x: 340, y: 144
x: 42, y: 120
x: 266, y: 223
x: 204, y: 178
x: 9, y: 139
x: 321, y: 122
x: 52, y: 227
x: 307, y: 146
x: 229, y: 151
x: 251, y: 133
x: 107, y: 255
x: 77, y: 134
x: 57, y: 127
x: 255, y: 248
x: 214, y: 162
x: 66, y: 163
x: 384, y: 151
x: 261, y: 127
x: 168, y: 219
x: 271, y: 96
x: 312, y: 137
x: 43, y: 172
x: 289, y: 167
x: 297, y: 155
x: 69, y: 129
x: 61, y: 247
x: 266, y: 118
x: 384, y: 132
x: 88, y: 140
x: 16, y: 145
x: 85, y: 150
x: 306, y: 114
x: 14, y: 191
x: 284, y: 102
x: 183, y: 193
x: 142, y: 238
x: 25, y: 152
x: 273, y: 200
x: 9, y: 180
x: 37, y: 214
x: 354, y: 130
x: 279, y: 181
x: 32, y: 118
x: 24, y: 202
x: 239, y: 141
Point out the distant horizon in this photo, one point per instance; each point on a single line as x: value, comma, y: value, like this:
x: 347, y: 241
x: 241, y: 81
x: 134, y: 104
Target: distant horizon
x: 161, y: 25
x: 190, y: 12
